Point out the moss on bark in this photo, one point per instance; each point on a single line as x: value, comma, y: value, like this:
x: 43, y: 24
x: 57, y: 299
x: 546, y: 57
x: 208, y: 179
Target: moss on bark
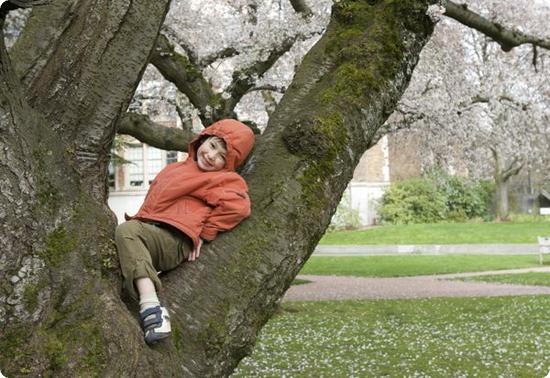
x: 59, y: 243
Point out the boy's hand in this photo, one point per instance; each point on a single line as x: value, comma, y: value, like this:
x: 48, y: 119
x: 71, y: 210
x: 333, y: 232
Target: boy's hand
x: 196, y: 252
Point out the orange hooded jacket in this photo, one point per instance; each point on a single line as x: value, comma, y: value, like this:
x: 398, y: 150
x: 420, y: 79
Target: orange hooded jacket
x: 200, y: 203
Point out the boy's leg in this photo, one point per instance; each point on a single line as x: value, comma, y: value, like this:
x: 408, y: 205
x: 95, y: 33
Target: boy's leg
x: 147, y: 293
x: 143, y: 249
x: 168, y: 246
x: 155, y: 320
x: 134, y: 256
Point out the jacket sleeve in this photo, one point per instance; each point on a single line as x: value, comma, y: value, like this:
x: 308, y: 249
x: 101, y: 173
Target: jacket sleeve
x: 231, y: 205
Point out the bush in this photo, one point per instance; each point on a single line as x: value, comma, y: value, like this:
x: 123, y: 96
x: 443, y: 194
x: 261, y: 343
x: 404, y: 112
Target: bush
x: 345, y: 217
x: 464, y: 198
x: 435, y: 197
x: 413, y: 201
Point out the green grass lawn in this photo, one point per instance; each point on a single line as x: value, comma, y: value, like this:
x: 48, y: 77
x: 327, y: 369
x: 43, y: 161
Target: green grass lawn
x: 444, y: 337
x: 535, y: 278
x: 413, y: 265
x: 443, y: 233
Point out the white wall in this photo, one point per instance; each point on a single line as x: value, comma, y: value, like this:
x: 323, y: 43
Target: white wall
x: 365, y: 198
x: 125, y: 202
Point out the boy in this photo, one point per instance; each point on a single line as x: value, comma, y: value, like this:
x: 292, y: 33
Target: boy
x: 187, y: 202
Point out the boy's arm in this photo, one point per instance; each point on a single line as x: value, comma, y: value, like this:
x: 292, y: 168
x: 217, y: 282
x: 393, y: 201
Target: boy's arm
x: 230, y: 209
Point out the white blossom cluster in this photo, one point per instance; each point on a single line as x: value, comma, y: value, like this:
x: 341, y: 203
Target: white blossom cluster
x: 252, y: 30
x: 467, y: 95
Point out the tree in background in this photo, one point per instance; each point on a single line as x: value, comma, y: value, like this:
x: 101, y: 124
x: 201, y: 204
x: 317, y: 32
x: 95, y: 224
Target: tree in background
x: 477, y: 111
x: 65, y: 88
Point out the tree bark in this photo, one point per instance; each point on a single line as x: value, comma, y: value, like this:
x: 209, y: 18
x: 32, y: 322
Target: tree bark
x: 143, y: 129
x: 61, y: 310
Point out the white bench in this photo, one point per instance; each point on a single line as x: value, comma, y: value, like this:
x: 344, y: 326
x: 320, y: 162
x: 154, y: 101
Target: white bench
x: 544, y: 246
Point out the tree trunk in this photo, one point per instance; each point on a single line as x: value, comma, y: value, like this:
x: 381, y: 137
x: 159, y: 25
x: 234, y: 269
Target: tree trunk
x: 501, y: 199
x: 61, y: 310
x: 502, y: 175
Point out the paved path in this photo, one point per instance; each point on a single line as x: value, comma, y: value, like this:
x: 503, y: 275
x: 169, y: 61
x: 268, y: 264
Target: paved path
x: 431, y: 249
x: 335, y: 287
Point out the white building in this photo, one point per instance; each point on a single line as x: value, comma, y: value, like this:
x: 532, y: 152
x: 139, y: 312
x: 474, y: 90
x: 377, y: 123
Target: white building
x: 370, y: 180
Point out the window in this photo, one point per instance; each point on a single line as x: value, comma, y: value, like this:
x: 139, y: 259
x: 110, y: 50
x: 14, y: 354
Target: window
x: 171, y: 157
x: 155, y: 163
x: 145, y: 162
x: 111, y: 176
x: 135, y: 156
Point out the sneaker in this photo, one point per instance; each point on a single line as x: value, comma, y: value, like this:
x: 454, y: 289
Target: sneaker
x: 155, y: 322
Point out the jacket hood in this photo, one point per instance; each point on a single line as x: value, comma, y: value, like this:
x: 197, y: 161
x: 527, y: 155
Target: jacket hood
x: 238, y: 137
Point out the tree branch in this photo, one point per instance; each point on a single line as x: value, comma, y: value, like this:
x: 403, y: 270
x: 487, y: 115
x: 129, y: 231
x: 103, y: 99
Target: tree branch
x: 167, y: 30
x: 511, y: 170
x: 244, y: 81
x: 395, y: 123
x: 408, y: 118
x: 300, y: 6
x: 506, y: 38
x: 28, y: 3
x: 479, y: 99
x: 299, y: 169
x: 225, y: 53
x: 187, y: 123
x: 7, y: 6
x: 267, y: 87
x: 185, y: 75
x: 143, y: 129
x: 496, y: 156
x: 427, y: 88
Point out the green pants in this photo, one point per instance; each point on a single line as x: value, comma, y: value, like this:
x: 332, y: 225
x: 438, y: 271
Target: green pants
x: 145, y: 248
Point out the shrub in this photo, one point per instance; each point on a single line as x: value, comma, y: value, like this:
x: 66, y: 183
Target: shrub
x: 413, y: 201
x: 435, y: 197
x: 464, y: 198
x: 345, y: 217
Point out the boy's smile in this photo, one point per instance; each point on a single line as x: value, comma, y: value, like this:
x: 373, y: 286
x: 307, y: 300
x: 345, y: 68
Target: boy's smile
x: 211, y: 155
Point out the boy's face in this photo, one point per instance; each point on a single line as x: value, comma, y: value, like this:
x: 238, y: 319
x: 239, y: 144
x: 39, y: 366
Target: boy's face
x: 211, y: 155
